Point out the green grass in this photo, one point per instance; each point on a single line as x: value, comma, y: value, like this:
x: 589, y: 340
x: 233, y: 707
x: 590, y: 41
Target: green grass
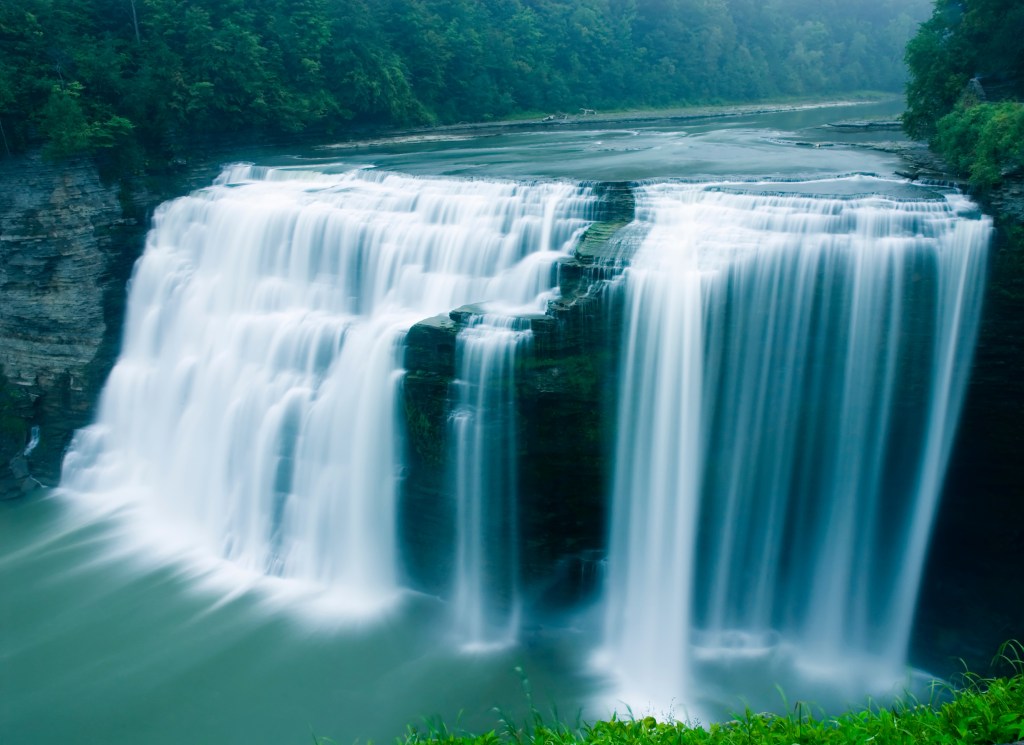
x: 977, y: 711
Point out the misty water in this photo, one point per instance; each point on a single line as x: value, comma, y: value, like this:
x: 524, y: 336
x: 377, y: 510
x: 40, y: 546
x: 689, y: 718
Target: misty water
x: 182, y: 585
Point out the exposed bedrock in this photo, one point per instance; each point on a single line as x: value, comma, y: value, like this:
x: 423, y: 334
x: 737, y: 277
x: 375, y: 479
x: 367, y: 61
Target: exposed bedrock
x: 69, y: 237
x: 565, y: 393
x: 972, y: 596
x: 67, y: 243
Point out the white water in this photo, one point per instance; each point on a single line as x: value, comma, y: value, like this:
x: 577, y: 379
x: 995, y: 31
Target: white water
x: 251, y: 413
x: 486, y: 585
x: 793, y: 370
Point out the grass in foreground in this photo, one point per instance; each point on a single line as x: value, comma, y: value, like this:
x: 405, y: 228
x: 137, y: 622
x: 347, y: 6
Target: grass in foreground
x: 981, y: 711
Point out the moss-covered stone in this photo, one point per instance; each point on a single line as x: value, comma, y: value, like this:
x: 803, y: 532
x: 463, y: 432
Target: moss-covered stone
x: 565, y: 383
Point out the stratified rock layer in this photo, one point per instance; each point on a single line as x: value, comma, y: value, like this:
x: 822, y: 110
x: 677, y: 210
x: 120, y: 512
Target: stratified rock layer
x: 66, y: 248
x: 972, y: 597
x: 565, y: 393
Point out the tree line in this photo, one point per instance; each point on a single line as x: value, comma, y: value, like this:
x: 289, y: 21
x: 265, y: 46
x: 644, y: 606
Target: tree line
x: 161, y: 74
x: 966, y: 86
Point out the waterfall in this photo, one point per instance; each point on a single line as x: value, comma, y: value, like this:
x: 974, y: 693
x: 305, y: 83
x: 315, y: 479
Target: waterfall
x: 252, y: 411
x: 792, y: 370
x: 792, y: 375
x: 483, y: 425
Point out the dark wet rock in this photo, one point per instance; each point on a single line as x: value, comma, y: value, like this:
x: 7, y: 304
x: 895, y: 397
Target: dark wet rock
x: 430, y: 346
x: 564, y: 394
x: 67, y: 244
x: 919, y: 163
x: 972, y: 597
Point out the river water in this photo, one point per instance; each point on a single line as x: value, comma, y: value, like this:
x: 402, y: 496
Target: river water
x: 116, y: 629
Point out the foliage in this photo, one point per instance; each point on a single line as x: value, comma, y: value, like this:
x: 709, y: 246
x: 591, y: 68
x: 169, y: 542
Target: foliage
x: 984, y: 142
x: 981, y: 712
x: 92, y: 73
x: 963, y: 39
x: 69, y: 131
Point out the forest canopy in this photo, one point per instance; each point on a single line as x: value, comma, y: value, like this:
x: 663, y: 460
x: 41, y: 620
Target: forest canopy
x: 90, y: 74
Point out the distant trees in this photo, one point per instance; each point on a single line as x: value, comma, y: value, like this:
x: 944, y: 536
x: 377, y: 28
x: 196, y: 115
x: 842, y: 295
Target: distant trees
x: 93, y: 74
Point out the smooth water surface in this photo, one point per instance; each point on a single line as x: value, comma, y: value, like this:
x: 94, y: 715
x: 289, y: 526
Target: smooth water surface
x: 786, y: 144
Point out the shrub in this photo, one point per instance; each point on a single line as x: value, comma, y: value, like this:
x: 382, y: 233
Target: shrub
x: 984, y: 142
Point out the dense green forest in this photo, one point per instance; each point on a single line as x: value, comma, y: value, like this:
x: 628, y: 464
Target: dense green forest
x: 90, y: 74
x: 966, y: 86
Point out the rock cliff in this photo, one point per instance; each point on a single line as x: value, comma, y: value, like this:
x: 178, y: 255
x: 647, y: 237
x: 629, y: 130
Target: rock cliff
x: 973, y: 591
x: 67, y: 244
x: 565, y: 389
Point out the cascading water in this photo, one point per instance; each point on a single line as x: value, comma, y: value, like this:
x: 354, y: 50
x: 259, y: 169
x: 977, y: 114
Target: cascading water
x: 486, y: 600
x: 252, y: 410
x: 793, y: 370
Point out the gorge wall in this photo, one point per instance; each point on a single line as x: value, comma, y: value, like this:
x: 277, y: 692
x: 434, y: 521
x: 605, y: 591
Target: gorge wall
x: 67, y: 243
x: 973, y: 592
x: 69, y: 236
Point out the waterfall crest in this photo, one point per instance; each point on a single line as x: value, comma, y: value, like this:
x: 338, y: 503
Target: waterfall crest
x: 792, y: 374
x: 252, y: 410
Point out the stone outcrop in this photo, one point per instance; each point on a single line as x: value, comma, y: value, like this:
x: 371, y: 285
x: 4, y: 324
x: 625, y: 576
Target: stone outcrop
x: 70, y: 233
x: 565, y: 393
x: 972, y: 597
x: 67, y: 244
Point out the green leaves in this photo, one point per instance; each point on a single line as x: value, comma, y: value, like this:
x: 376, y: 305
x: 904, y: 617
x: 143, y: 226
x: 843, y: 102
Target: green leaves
x: 960, y: 41
x: 70, y: 132
x: 167, y: 72
x: 984, y: 142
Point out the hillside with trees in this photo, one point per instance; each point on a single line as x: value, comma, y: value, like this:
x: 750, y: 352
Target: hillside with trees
x: 161, y: 74
x: 966, y: 86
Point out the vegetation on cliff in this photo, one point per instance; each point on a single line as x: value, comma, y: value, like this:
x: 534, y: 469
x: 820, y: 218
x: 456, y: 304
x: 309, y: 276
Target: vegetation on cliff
x: 983, y: 141
x: 161, y: 73
x: 966, y: 83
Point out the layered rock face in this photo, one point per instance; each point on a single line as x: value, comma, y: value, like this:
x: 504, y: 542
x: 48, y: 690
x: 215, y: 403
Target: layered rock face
x: 66, y: 249
x: 564, y: 392
x: 972, y: 598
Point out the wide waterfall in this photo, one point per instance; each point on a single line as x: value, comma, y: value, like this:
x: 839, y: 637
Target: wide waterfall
x: 792, y: 364
x: 252, y: 412
x: 792, y: 374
